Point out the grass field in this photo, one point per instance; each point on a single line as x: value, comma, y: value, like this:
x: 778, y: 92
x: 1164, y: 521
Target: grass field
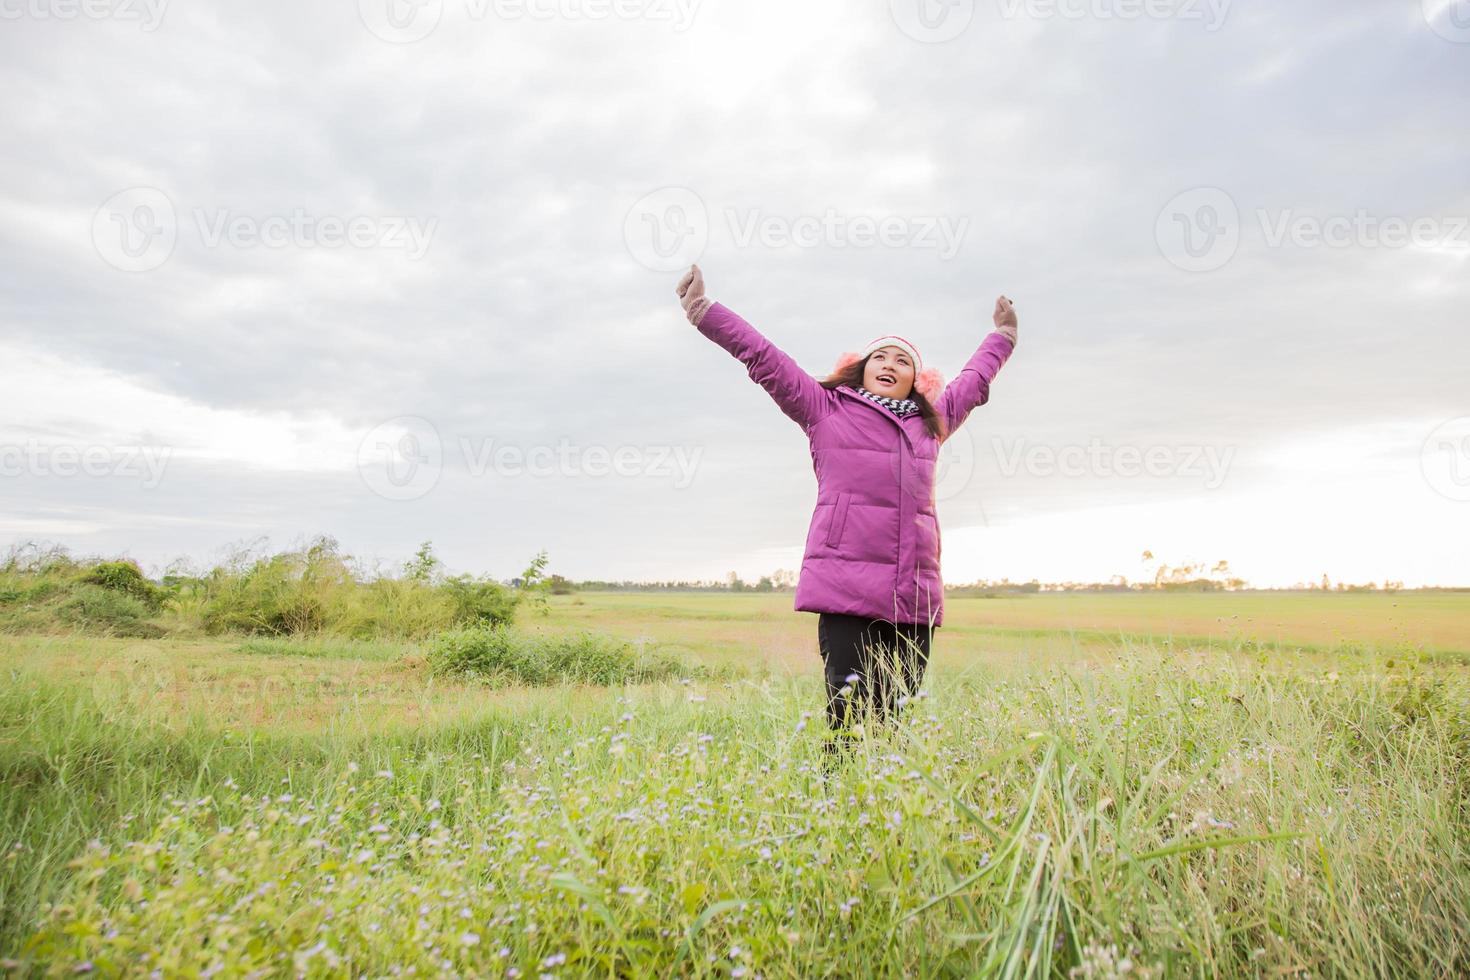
x: 1249, y: 784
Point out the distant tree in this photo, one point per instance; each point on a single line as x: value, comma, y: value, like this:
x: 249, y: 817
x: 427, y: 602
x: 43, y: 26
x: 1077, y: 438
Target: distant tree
x: 423, y: 565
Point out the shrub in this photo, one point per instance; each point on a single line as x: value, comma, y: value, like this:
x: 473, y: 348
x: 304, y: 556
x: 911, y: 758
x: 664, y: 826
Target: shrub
x: 282, y: 594
x: 126, y: 577
x: 106, y: 610
x: 481, y: 601
x: 498, y: 653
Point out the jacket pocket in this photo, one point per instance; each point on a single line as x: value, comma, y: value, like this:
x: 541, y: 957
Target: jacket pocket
x: 839, y: 518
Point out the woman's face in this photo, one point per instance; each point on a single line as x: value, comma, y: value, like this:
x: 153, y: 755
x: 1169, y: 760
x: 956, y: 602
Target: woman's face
x: 889, y: 372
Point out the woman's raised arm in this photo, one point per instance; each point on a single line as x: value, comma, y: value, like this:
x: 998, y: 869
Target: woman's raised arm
x: 971, y: 387
x: 797, y: 393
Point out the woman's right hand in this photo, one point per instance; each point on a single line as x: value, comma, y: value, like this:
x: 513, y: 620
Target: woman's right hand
x: 691, y: 295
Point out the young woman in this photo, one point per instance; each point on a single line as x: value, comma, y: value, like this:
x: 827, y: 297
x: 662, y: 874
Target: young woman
x: 871, y: 566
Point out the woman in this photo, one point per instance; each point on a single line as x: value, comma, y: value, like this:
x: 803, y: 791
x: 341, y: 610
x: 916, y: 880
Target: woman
x: 871, y: 565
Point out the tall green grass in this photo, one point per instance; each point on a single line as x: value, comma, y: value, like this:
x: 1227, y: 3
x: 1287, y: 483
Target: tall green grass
x: 1154, y: 816
x: 501, y: 655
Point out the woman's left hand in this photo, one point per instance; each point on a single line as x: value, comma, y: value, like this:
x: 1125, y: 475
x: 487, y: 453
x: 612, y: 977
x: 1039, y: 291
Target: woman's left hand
x: 1005, y: 317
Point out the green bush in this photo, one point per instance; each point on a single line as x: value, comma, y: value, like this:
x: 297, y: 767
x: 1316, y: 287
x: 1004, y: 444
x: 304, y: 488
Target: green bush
x: 286, y: 593
x: 105, y: 610
x: 126, y: 577
x: 480, y: 601
x: 500, y: 654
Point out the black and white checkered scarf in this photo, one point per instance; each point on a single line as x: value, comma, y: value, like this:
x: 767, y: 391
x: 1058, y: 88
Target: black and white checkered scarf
x: 898, y: 406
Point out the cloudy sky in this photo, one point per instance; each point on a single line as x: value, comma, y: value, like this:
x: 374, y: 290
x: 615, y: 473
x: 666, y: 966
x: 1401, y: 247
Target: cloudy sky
x: 398, y: 271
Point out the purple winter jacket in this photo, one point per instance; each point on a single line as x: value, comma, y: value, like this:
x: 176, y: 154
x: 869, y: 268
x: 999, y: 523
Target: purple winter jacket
x: 873, y: 546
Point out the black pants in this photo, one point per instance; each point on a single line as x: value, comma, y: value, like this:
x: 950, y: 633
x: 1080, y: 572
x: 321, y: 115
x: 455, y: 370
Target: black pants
x: 869, y: 665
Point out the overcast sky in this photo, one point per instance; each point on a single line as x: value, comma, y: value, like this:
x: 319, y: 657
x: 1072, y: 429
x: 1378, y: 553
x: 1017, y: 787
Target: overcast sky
x: 396, y: 272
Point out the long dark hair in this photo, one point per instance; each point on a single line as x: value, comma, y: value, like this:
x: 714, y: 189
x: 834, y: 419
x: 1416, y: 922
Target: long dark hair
x: 852, y: 376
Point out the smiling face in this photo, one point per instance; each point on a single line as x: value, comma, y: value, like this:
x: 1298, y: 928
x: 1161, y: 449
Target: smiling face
x: 889, y: 372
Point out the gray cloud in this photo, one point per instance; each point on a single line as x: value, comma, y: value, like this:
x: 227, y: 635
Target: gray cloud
x: 1054, y: 142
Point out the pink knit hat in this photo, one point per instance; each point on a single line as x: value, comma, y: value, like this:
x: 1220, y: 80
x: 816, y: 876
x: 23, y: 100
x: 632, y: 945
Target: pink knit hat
x: 930, y: 383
